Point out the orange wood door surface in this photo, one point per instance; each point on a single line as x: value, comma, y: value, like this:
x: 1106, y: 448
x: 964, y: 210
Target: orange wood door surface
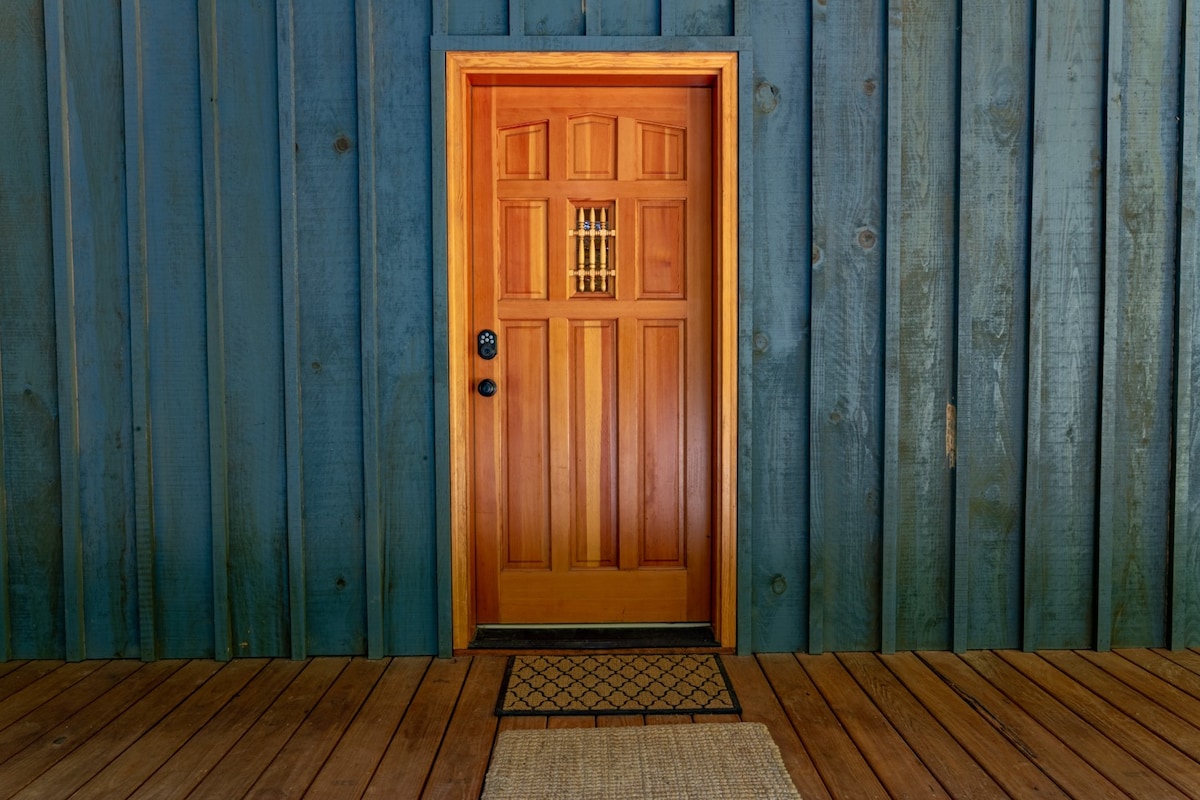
x: 591, y: 259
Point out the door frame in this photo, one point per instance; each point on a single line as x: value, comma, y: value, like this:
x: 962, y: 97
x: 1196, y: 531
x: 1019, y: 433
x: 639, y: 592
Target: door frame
x: 716, y: 69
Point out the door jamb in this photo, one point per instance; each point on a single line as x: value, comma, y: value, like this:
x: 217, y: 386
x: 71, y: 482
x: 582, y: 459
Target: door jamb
x: 718, y: 69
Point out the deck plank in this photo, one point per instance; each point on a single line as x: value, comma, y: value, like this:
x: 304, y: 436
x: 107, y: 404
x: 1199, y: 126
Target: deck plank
x: 176, y: 778
x: 1024, y: 730
x: 298, y: 763
x: 840, y: 763
x: 19, y: 702
x: 1078, y: 733
x: 70, y: 772
x: 760, y: 704
x: 1173, y: 715
x: 20, y: 674
x: 939, y: 751
x: 983, y: 724
x: 463, y: 760
x: 132, y: 767
x: 995, y: 753
x: 893, y: 761
x: 253, y: 753
x: 348, y: 771
x: 410, y: 755
x: 64, y: 735
x: 1126, y: 731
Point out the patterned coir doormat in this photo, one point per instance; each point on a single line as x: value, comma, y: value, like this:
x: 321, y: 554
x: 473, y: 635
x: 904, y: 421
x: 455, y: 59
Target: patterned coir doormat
x: 536, y: 685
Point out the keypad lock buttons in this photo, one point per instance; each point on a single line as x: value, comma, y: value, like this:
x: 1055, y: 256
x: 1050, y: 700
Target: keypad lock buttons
x: 486, y: 344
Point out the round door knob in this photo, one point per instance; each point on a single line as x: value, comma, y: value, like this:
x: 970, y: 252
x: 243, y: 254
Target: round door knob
x: 487, y: 387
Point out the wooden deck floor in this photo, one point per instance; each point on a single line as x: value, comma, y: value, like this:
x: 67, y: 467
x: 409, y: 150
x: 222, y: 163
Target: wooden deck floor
x: 984, y: 724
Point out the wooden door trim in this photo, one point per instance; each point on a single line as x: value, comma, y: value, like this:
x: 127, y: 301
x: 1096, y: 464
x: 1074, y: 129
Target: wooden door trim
x: 719, y: 70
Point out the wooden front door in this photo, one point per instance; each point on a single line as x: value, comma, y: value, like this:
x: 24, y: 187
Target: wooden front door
x: 591, y: 353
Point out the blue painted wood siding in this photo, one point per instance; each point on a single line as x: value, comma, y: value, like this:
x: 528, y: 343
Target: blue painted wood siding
x: 969, y: 318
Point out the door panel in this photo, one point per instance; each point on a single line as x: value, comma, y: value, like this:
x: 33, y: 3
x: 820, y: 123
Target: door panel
x: 591, y: 256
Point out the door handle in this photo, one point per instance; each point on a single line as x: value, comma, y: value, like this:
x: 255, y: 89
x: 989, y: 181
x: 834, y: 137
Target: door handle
x: 487, y: 387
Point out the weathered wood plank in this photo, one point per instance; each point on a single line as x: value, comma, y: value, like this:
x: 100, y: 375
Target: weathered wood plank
x: 1177, y: 695
x: 938, y: 750
x: 549, y: 18
x: 1078, y: 732
x: 31, y: 563
x: 993, y: 269
x: 1161, y: 663
x: 398, y: 321
x: 36, y: 682
x: 87, y: 171
x: 298, y: 762
x: 22, y: 732
x: 997, y: 750
x: 463, y: 758
x: 1173, y: 715
x: 322, y: 337
x: 895, y: 764
x: 629, y: 18
x: 413, y: 748
x: 1185, y: 557
x: 244, y: 327
x: 1064, y: 334
x: 778, y: 411
x: 245, y: 762
x: 167, y: 318
x: 846, y: 394
x: 841, y: 765
x: 69, y: 772
x: 759, y: 705
x: 478, y: 18
x: 60, y: 738
x: 194, y: 760
x: 1121, y: 729
x: 1139, y: 319
x: 921, y: 225
x: 1030, y: 732
x: 156, y: 745
x: 349, y: 768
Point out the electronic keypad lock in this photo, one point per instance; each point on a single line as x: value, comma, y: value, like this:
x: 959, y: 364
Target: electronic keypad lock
x: 486, y: 344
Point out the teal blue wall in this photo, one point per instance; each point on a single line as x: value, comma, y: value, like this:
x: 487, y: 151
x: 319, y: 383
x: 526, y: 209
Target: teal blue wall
x: 970, y: 311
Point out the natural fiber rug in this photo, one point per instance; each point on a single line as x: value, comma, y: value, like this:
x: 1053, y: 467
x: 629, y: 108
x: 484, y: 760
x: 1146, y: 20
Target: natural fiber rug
x: 616, y: 684
x: 734, y: 761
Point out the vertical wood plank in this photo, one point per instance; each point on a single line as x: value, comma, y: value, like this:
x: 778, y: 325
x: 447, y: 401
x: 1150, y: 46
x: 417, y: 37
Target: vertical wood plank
x: 921, y: 225
x: 992, y: 313
x: 167, y: 315
x: 1139, y: 320
x: 31, y: 558
x: 847, y: 340
x: 1185, y: 557
x: 778, y: 322
x: 1064, y: 310
x: 92, y: 302
x: 399, y: 330
x: 244, y: 327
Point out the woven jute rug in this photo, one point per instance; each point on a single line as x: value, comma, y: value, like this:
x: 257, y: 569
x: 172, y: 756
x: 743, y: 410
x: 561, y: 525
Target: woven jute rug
x: 616, y: 684
x: 730, y: 761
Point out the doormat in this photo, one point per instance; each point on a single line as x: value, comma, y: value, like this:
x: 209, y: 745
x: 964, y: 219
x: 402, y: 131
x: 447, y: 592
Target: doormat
x: 662, y: 762
x: 536, y: 685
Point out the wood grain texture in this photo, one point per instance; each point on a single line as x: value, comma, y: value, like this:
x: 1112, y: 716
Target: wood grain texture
x: 238, y: 81
x: 319, y: 146
x: 921, y: 224
x: 1185, y: 558
x: 993, y: 258
x: 1064, y: 320
x: 31, y: 557
x: 87, y: 170
x: 398, y: 321
x: 777, y: 436
x: 1139, y: 318
x: 167, y: 328
x: 846, y: 395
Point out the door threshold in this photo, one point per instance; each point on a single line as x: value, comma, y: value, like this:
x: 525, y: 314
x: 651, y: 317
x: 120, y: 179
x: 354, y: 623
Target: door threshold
x: 593, y: 637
